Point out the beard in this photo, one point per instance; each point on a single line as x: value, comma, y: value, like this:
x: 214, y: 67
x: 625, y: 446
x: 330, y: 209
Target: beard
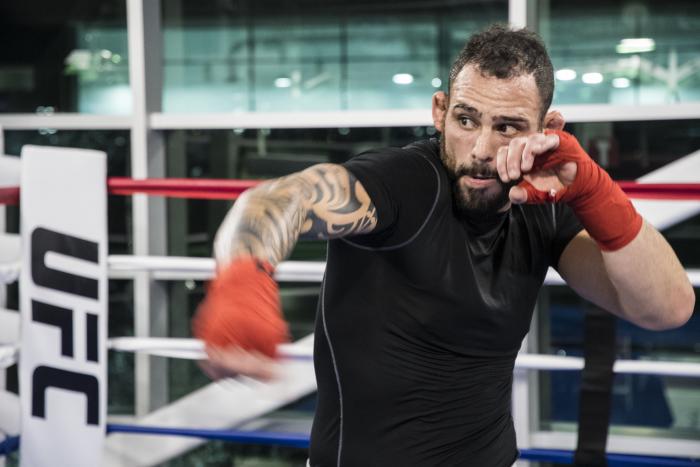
x: 468, y: 200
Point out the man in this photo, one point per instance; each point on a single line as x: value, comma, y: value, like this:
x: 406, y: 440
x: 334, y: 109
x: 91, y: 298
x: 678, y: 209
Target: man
x: 437, y: 252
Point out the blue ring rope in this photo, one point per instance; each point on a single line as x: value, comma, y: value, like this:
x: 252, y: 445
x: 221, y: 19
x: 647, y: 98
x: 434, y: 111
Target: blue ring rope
x: 9, y: 445
x: 297, y: 440
x: 301, y: 440
x: 614, y: 460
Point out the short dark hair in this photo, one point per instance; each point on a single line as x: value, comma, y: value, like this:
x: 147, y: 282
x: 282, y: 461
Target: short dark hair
x: 505, y: 53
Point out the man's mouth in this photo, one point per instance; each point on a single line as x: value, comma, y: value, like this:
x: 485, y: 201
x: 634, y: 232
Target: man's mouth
x: 479, y: 181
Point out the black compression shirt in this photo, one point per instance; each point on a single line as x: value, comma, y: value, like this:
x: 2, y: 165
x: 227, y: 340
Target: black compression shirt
x: 419, y: 322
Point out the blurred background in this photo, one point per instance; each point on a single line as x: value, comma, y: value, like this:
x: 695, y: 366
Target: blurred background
x: 258, y: 89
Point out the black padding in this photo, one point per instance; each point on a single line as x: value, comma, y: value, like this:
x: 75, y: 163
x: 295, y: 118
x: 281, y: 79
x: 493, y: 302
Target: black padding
x: 596, y: 389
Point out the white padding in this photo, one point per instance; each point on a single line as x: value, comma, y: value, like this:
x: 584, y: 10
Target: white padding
x: 9, y: 171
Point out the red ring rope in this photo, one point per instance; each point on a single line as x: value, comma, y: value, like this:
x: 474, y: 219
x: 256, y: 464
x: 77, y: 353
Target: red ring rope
x: 200, y: 188
x: 9, y: 195
x: 209, y: 188
x: 661, y: 191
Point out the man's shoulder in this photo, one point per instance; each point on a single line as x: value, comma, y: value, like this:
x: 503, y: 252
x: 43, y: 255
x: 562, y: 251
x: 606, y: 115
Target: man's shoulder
x: 417, y: 159
x: 429, y: 148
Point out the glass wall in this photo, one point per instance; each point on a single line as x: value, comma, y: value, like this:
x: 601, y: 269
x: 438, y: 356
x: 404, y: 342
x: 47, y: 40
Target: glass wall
x: 272, y: 57
x: 623, y: 52
x: 59, y: 56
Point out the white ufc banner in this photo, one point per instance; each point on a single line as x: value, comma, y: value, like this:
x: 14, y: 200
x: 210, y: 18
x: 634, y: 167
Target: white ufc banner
x: 63, y: 302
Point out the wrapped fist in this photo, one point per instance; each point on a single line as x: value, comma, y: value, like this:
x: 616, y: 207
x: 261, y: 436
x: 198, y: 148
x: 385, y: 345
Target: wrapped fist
x: 241, y: 313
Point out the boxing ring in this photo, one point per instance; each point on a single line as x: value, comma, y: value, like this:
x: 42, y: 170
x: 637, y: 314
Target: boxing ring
x: 296, y: 358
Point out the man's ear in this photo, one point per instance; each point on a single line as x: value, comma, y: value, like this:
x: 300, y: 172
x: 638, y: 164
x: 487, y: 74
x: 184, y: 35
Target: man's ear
x: 554, y: 120
x: 439, y: 110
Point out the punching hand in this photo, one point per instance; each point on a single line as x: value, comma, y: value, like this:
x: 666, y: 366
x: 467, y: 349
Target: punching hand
x: 527, y: 157
x: 555, y: 168
x: 240, y: 320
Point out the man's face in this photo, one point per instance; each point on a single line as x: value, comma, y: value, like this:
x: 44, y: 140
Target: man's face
x: 482, y: 114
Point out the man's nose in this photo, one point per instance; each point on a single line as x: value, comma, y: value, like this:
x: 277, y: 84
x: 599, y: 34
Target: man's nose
x: 483, y: 149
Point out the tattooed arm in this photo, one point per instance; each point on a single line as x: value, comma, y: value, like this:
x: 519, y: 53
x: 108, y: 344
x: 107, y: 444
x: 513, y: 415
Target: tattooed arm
x: 324, y: 201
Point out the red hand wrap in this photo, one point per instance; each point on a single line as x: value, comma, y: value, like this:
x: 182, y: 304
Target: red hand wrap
x: 599, y: 202
x: 242, y: 309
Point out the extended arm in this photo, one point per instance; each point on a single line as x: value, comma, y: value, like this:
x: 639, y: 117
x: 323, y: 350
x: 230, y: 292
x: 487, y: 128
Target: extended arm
x: 240, y: 319
x: 321, y: 202
x: 643, y: 282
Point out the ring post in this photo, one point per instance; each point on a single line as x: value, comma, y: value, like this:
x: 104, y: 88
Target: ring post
x: 63, y: 304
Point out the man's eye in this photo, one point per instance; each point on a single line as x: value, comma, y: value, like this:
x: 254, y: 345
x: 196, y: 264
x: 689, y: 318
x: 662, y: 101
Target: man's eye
x: 466, y: 122
x: 507, y: 130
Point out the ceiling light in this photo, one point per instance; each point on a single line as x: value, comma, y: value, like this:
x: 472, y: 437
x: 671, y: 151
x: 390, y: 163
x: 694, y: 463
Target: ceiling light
x: 436, y: 82
x: 592, y: 78
x: 283, y: 82
x: 621, y: 83
x: 79, y: 60
x: 565, y: 74
x: 635, y: 45
x: 402, y: 78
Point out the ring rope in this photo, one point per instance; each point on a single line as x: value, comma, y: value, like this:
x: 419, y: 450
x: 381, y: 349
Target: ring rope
x: 301, y: 441
x: 193, y: 349
x: 9, y: 272
x: 661, y: 191
x: 298, y: 440
x: 199, y: 188
x: 184, y: 268
x: 211, y: 188
x: 8, y: 355
x: 614, y: 459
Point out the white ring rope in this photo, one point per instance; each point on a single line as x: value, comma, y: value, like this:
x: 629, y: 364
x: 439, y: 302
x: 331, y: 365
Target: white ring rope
x: 184, y: 268
x: 181, y: 268
x: 8, y: 355
x: 9, y: 272
x: 645, y: 367
x: 190, y: 349
x: 10, y: 257
x: 193, y: 349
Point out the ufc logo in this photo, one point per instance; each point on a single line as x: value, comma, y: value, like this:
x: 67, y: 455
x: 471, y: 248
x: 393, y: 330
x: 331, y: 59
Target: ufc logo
x: 44, y: 241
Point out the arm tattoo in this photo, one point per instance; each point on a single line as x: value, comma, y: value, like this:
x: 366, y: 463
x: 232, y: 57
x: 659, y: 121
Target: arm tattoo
x: 339, y: 205
x: 324, y: 201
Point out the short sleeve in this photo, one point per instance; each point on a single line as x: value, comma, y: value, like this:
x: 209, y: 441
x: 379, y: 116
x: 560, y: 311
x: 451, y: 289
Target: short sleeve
x: 403, y: 186
x: 566, y: 226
